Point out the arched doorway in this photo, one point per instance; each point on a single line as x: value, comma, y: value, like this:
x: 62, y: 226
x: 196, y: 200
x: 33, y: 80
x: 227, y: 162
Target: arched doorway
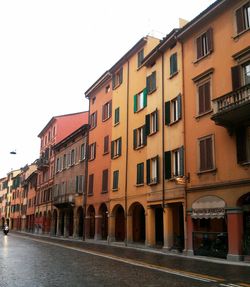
x: 103, y: 211
x: 79, y: 226
x: 119, y: 223
x: 91, y: 215
x: 244, y: 203
x: 138, y: 222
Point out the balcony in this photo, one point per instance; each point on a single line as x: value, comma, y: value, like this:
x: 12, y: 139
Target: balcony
x: 42, y: 163
x: 64, y: 200
x: 232, y: 109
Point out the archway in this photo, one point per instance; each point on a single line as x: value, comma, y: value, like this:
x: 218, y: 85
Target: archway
x: 91, y: 215
x: 119, y: 223
x: 103, y: 212
x: 244, y: 203
x: 137, y: 212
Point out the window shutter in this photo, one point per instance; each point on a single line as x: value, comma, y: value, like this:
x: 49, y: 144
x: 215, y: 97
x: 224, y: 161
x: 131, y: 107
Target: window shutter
x: 179, y: 106
x: 135, y: 103
x: 157, y: 169
x: 103, y: 112
x: 120, y: 146
x: 167, y: 113
x: 105, y: 180
x: 117, y: 115
x: 240, y: 20
x: 148, y: 84
x: 168, y: 172
x: 173, y: 64
x: 199, y: 47
x: 202, y: 155
x: 112, y: 149
x: 236, y: 79
x: 210, y: 39
x: 156, y: 117
x: 201, y: 92
x: 182, y: 161
x: 135, y: 138
x: 145, y: 93
x: 121, y: 75
x: 113, y: 81
x: 153, y: 81
x: 91, y: 183
x: 144, y: 135
x: 148, y: 162
x: 147, y: 124
x: 241, y: 145
x: 207, y: 97
x: 115, y: 179
x: 94, y: 150
x: 209, y: 153
x: 77, y: 184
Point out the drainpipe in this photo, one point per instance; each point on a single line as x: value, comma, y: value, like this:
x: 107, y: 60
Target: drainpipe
x: 126, y: 163
x: 163, y: 134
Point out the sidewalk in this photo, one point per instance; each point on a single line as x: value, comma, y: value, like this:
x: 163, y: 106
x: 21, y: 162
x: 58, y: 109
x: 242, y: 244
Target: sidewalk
x: 134, y: 246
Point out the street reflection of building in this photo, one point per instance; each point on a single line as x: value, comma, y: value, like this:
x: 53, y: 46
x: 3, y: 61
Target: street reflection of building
x: 56, y: 129
x: 69, y: 190
x: 3, y: 199
x: 217, y: 116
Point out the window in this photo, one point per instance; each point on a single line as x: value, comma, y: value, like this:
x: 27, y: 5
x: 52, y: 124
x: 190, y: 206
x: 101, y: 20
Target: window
x: 204, y: 44
x: 240, y: 75
x: 117, y: 116
x: 204, y: 96
x: 106, y: 145
x: 58, y: 164
x: 107, y: 89
x: 83, y: 151
x: 105, y: 181
x: 174, y: 163
x: 243, y: 144
x: 117, y: 79
x: 79, y: 183
x: 140, y: 173
x: 151, y: 123
x: 140, y: 138
x: 91, y: 184
x: 243, y: 18
x: 106, y: 110
x: 153, y: 170
x: 64, y: 160
x: 93, y: 120
x: 206, y: 153
x: 115, y: 179
x: 173, y: 64
x: 246, y: 73
x: 151, y: 83
x: 173, y: 110
x: 92, y: 151
x: 140, y: 57
x: 116, y: 148
x: 140, y: 101
x: 72, y: 157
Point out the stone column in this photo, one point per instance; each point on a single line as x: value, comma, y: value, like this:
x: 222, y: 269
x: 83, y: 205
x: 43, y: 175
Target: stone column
x: 235, y: 234
x: 185, y: 226
x: 189, y: 243
x: 168, y: 227
x: 98, y: 227
x: 130, y: 228
x: 111, y: 228
x: 66, y: 225
x: 150, y: 226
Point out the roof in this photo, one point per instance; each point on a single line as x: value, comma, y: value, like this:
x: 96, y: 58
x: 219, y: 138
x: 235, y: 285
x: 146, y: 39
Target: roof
x: 57, y: 117
x: 72, y: 136
x: 203, y: 15
x: 98, y: 83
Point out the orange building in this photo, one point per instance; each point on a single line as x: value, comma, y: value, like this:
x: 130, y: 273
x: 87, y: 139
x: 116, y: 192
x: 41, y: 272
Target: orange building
x: 57, y: 129
x: 99, y: 161
x: 216, y: 67
x: 30, y: 184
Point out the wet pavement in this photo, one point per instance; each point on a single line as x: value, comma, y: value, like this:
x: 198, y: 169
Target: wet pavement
x: 31, y: 260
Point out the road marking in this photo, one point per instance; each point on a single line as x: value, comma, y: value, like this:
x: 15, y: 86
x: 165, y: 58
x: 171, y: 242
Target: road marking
x: 186, y: 274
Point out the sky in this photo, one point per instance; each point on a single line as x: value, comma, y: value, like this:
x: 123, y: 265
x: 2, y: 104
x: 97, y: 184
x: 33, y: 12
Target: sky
x: 52, y: 51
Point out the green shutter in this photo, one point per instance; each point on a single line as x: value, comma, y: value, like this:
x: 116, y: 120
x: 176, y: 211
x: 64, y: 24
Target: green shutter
x: 117, y: 115
x: 145, y: 93
x: 135, y: 138
x: 115, y: 179
x: 121, y: 75
x: 182, y: 161
x: 167, y: 113
x: 135, y: 103
x: 112, y: 149
x: 148, y: 171
x: 167, y: 165
x: 153, y: 81
x: 120, y: 146
x: 147, y: 124
x: 148, y: 84
x: 179, y: 106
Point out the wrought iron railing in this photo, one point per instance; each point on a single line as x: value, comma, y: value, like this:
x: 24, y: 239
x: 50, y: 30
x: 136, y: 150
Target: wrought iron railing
x: 232, y: 99
x: 214, y: 244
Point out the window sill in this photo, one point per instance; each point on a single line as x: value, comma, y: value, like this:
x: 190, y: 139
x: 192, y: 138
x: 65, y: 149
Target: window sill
x: 213, y: 170
x: 115, y: 189
x: 237, y: 36
x: 116, y: 156
x: 90, y: 194
x: 104, y: 120
x: 139, y: 184
x: 245, y: 163
x: 140, y: 147
x: 104, y: 192
x: 203, y: 114
x: 203, y: 57
x: 151, y: 92
x: 91, y: 159
x: 91, y: 128
x: 152, y: 133
x: 116, y: 86
x: 116, y: 124
x: 174, y: 122
x: 173, y: 75
x: 152, y: 183
x: 107, y: 152
x: 139, y: 110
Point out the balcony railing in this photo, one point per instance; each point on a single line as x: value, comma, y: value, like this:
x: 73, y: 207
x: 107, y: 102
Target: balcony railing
x: 42, y: 163
x: 67, y: 199
x: 232, y: 108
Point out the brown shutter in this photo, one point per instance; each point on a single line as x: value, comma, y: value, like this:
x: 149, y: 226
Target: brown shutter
x: 207, y: 99
x: 201, y: 93
x: 236, y: 77
x: 240, y: 20
x: 210, y: 39
x: 199, y: 47
x: 105, y: 180
x: 209, y: 153
x: 202, y: 155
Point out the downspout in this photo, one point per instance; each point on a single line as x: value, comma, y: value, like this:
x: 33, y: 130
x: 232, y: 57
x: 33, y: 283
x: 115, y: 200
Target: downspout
x: 126, y: 163
x: 163, y: 134
x: 86, y: 178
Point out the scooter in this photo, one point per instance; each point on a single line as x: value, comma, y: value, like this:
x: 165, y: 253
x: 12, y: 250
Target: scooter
x: 5, y: 230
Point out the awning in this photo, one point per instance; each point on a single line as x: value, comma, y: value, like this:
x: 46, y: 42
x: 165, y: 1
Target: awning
x: 208, y: 207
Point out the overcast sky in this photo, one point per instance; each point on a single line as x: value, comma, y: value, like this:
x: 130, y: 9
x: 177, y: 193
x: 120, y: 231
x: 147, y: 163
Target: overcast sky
x: 52, y: 51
